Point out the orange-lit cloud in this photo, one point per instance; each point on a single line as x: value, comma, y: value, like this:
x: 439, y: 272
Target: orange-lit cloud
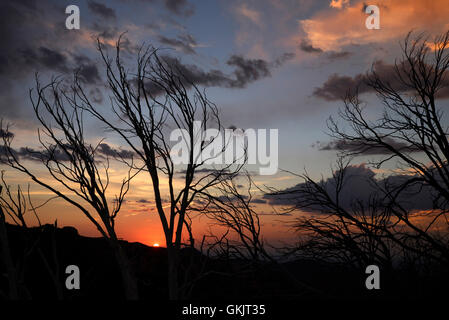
x: 338, y: 3
x: 332, y: 29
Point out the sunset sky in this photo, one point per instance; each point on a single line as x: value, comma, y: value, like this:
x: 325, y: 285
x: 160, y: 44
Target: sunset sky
x: 282, y: 64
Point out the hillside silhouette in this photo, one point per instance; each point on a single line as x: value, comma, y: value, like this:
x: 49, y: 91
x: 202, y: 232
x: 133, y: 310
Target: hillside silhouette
x: 43, y: 251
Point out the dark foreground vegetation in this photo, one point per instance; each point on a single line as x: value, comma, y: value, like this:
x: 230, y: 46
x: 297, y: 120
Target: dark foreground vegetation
x: 42, y: 254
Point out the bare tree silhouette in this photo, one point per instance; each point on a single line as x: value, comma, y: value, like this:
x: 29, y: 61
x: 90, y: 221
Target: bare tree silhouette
x: 14, y: 204
x: 79, y: 175
x: 233, y: 209
x: 356, y: 235
x: 230, y: 204
x: 411, y: 134
x: 147, y: 102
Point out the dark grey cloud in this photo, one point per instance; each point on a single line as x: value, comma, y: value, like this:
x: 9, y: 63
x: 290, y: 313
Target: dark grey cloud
x: 44, y: 57
x: 34, y: 39
x: 359, y: 185
x: 56, y: 153
x: 87, y: 69
x: 360, y: 148
x: 202, y: 170
x: 101, y: 10
x: 283, y: 59
x: 337, y: 86
x: 33, y: 154
x: 107, y: 150
x: 306, y: 46
x: 89, y: 73
x: 185, y: 43
x: 39, y: 155
x: 24, y: 27
x: 258, y: 200
x: 179, y: 7
x: 230, y: 198
x: 333, y: 55
x: 105, y: 30
x: 144, y: 201
x: 192, y: 74
x: 246, y: 71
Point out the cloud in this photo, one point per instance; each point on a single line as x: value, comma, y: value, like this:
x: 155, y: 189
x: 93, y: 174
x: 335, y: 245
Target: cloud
x: 106, y: 31
x: 31, y: 154
x: 38, y: 155
x: 283, y: 59
x: 337, y: 86
x: 246, y: 71
x: 232, y: 198
x: 34, y: 39
x: 359, y: 185
x: 192, y: 73
x: 249, y: 14
x: 87, y: 69
x: 44, y: 57
x: 202, y: 170
x: 364, y: 149
x: 33, y: 35
x: 306, y: 46
x: 101, y: 10
x: 339, y: 4
x: 179, y: 7
x: 185, y: 43
x: 145, y: 201
x: 332, y: 55
x: 331, y: 29
x: 107, y: 150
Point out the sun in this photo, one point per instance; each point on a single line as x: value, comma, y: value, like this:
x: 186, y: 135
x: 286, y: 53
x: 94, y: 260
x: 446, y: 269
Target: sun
x: 156, y: 245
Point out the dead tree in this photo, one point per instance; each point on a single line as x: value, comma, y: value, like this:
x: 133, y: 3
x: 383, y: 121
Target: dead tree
x: 148, y: 102
x: 79, y: 174
x: 354, y: 234
x: 13, y: 207
x: 411, y: 132
x: 233, y: 209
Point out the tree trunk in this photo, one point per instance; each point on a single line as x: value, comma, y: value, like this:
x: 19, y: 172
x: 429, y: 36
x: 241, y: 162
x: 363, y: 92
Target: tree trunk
x: 128, y: 279
x: 173, y: 286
